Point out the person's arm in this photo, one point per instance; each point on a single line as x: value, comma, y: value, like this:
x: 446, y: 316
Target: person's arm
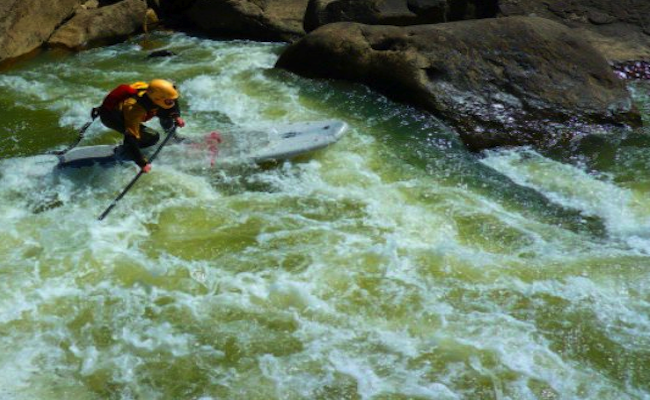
x: 171, y: 117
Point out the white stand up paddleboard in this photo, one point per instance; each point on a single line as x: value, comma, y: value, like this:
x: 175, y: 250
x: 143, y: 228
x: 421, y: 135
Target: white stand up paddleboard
x: 288, y: 141
x: 86, y: 156
x: 277, y: 143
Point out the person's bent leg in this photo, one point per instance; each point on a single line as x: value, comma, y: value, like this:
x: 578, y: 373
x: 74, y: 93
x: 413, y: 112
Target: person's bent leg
x: 112, y: 119
x: 148, y: 137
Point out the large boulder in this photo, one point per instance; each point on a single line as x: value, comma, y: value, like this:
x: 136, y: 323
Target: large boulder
x: 375, y: 12
x: 618, y: 29
x: 101, y: 25
x: 506, y: 81
x: 275, y: 20
x: 26, y: 24
x: 396, y: 12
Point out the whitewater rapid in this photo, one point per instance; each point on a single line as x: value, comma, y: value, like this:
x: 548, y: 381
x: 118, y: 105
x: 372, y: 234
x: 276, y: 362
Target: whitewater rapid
x: 392, y: 265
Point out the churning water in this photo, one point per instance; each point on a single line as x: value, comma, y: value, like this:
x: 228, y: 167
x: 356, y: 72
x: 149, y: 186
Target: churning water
x: 392, y: 265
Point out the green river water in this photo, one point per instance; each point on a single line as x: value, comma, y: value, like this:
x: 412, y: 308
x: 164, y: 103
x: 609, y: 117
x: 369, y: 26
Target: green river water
x: 391, y: 265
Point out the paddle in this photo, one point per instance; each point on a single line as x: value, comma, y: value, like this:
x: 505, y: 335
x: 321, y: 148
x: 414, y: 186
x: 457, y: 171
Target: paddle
x: 94, y: 113
x: 135, y: 179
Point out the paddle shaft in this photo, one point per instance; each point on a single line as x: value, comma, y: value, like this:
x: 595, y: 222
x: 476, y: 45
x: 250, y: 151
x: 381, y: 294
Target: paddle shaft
x: 79, y: 138
x: 135, y: 179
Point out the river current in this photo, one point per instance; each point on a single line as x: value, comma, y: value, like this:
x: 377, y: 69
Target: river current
x: 391, y: 265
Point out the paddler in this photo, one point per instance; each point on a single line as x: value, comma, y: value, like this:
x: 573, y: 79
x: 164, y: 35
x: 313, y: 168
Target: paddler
x: 127, y: 107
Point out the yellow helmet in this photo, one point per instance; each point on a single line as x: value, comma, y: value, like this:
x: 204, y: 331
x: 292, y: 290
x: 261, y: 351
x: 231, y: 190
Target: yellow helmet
x: 162, y: 93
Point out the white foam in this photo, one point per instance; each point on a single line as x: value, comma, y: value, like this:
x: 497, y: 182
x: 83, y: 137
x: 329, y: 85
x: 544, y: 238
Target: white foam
x: 626, y: 214
x: 29, y: 89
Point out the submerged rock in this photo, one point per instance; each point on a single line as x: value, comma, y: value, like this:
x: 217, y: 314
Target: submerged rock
x: 500, y: 82
x: 161, y: 53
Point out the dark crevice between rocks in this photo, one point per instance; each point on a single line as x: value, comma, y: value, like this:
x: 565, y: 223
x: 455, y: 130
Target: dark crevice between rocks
x: 435, y: 74
x: 460, y: 10
x: 351, y: 11
x: 173, y: 16
x: 428, y: 10
x: 94, y: 43
x: 487, y: 8
x: 389, y: 44
x: 62, y: 23
x: 103, y: 3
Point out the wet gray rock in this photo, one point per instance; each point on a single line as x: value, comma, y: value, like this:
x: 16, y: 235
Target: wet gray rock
x: 500, y: 82
x: 274, y: 20
x: 26, y: 24
x: 618, y: 29
x: 396, y: 12
x: 375, y: 12
x: 101, y: 25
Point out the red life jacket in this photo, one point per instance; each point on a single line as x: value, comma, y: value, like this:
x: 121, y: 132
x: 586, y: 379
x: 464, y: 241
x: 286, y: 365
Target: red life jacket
x: 121, y: 93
